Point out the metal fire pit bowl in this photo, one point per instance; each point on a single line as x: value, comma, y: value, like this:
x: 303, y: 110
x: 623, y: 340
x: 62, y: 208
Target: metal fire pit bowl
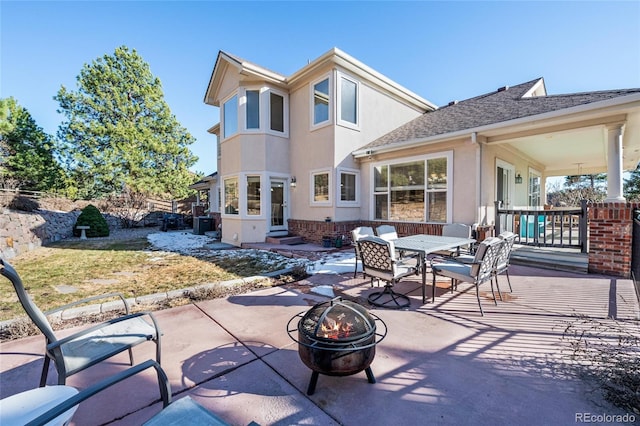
x: 346, y: 347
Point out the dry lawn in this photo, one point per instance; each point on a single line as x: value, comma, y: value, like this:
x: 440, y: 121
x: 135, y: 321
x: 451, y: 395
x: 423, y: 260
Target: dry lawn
x: 92, y: 267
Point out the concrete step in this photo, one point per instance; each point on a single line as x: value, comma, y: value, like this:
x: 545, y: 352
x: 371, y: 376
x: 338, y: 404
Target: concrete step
x: 557, y: 259
x: 287, y: 240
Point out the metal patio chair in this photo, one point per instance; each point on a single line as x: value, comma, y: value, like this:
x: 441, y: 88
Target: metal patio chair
x: 504, y: 256
x: 379, y: 261
x: 182, y: 411
x: 477, y: 272
x: 459, y: 230
x: 92, y: 345
x: 357, y: 234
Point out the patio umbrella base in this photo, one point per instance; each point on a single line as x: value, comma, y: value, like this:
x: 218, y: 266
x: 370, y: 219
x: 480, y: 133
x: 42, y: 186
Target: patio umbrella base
x: 389, y: 299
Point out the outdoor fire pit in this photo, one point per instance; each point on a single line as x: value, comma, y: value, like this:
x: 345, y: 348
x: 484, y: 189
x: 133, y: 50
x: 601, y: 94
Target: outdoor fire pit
x: 336, y: 338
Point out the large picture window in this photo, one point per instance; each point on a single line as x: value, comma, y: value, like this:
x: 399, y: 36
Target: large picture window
x: 412, y: 191
x: 253, y: 195
x: 230, y: 117
x: 231, y: 195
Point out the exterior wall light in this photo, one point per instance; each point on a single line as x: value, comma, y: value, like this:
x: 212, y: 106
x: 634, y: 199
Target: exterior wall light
x: 518, y: 179
x: 293, y: 182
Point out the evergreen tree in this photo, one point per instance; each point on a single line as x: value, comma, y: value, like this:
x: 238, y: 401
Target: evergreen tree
x: 27, y: 153
x: 119, y: 132
x: 632, y: 185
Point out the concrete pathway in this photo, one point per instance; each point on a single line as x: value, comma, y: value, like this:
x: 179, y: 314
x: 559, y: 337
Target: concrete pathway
x: 441, y: 363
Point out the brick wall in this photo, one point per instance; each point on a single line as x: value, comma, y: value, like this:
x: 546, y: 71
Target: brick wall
x: 610, y: 238
x: 314, y: 231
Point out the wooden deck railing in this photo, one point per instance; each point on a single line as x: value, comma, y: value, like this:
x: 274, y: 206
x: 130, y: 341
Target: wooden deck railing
x: 557, y: 227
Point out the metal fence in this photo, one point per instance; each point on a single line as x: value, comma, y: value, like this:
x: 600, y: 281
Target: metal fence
x: 556, y: 227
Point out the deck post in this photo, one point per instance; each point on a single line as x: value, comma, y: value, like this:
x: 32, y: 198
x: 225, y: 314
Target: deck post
x: 497, y: 218
x: 583, y: 229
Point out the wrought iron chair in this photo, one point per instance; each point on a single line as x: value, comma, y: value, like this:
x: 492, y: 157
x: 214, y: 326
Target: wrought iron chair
x: 504, y: 257
x: 477, y: 272
x: 379, y: 261
x: 183, y: 410
x: 459, y: 230
x: 357, y: 234
x: 387, y: 232
x: 92, y: 345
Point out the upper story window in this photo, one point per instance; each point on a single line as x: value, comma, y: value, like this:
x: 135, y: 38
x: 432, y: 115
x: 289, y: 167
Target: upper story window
x: 276, y: 112
x: 348, y: 92
x: 321, y: 102
x: 230, y: 117
x: 253, y: 109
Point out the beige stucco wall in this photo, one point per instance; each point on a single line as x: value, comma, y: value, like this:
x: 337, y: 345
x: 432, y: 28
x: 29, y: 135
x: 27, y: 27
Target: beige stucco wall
x: 329, y: 147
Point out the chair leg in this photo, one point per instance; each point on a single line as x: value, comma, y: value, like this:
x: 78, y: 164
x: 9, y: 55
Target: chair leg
x: 399, y: 300
x: 493, y: 293
x: 506, y: 271
x: 355, y: 272
x: 45, y: 371
x: 130, y: 357
x: 478, y: 297
x: 498, y: 287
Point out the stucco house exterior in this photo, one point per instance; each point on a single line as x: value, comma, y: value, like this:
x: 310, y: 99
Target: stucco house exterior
x: 337, y: 142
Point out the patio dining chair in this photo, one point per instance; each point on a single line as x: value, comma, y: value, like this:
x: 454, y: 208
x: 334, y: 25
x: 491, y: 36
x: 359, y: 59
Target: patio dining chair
x: 357, y: 234
x: 389, y: 233
x: 458, y: 230
x: 182, y: 411
x: 379, y: 261
x: 504, y: 256
x: 91, y: 345
x: 477, y: 272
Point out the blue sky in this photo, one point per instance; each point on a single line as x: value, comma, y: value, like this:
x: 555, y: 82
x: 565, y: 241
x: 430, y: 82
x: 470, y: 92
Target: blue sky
x: 442, y: 51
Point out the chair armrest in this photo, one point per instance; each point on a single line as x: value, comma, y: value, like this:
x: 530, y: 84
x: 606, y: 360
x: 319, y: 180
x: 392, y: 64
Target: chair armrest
x: 163, y: 383
x: 91, y: 299
x: 89, y: 330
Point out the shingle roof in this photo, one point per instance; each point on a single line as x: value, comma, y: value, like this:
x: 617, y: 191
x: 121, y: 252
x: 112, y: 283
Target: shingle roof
x: 495, y: 107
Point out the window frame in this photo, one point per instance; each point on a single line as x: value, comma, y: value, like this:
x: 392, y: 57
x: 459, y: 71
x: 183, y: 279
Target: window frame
x: 223, y: 122
x: 533, y: 173
x: 312, y: 187
x: 345, y: 123
x: 347, y: 203
x: 247, y: 193
x: 245, y: 109
x: 285, y: 113
x: 448, y: 155
x: 223, y: 204
x: 312, y: 112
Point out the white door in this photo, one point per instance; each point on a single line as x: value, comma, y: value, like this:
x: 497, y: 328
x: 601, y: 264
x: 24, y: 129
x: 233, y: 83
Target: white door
x: 505, y: 182
x: 278, y: 202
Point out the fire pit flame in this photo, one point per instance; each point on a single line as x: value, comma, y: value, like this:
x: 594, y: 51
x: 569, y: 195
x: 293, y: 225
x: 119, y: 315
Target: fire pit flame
x: 332, y: 329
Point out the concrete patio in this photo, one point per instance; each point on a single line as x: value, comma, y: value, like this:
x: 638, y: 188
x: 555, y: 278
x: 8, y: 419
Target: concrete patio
x: 441, y: 363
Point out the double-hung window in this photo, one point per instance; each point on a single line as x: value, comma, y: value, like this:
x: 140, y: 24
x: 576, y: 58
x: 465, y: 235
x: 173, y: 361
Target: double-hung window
x: 417, y: 190
x: 230, y: 116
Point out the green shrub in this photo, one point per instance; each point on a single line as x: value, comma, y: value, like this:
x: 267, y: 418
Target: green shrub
x: 91, y: 216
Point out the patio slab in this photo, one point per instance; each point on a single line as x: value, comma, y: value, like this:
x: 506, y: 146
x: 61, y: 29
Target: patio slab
x: 440, y: 362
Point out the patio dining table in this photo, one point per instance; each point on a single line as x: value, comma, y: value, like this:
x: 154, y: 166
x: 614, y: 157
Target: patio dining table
x: 424, y: 245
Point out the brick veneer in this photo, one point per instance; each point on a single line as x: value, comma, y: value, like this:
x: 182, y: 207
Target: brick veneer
x: 313, y: 231
x: 610, y: 238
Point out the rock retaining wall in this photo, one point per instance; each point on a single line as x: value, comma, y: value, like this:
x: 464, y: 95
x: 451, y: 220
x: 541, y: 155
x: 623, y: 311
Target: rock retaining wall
x: 24, y: 231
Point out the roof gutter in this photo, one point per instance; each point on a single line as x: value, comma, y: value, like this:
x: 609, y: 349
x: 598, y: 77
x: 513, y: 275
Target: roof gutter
x: 366, y: 152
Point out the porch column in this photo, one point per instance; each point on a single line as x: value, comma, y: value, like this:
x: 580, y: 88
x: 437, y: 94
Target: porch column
x: 614, y: 164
